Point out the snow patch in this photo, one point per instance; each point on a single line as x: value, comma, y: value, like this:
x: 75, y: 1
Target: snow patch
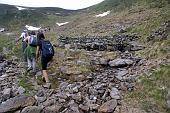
x: 57, y: 13
x: 60, y: 24
x: 103, y: 14
x: 31, y: 28
x: 2, y: 29
x: 20, y: 8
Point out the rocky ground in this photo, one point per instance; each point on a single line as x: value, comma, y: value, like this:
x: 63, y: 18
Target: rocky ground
x: 100, y: 91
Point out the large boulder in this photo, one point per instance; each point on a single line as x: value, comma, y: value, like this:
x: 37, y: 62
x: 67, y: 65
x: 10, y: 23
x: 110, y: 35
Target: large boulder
x: 108, y: 107
x: 120, y: 62
x: 32, y: 109
x: 16, y: 102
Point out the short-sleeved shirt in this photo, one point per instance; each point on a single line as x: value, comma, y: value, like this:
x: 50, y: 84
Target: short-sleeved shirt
x: 23, y: 35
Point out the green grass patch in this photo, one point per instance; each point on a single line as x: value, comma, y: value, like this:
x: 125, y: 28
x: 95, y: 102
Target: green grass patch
x: 25, y: 82
x: 152, y: 90
x: 5, y: 41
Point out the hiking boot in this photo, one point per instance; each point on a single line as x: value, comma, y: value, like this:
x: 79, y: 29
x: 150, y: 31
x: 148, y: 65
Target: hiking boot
x: 29, y: 69
x: 47, y: 85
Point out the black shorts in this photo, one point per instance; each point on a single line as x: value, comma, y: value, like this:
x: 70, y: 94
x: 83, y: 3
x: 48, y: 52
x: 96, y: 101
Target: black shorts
x: 44, y: 62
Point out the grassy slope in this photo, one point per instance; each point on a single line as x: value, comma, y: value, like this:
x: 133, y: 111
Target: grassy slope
x: 137, y: 17
x: 151, y: 91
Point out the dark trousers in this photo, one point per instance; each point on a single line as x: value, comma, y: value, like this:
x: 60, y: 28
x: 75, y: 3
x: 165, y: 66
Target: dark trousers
x: 24, y: 45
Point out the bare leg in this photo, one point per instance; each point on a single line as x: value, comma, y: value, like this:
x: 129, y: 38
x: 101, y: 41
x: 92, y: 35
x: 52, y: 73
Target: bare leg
x: 45, y: 76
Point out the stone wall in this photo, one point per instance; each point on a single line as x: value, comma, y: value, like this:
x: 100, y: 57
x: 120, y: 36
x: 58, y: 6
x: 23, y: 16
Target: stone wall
x: 101, y: 43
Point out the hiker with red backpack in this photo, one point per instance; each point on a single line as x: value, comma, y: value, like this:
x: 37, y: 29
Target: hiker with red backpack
x: 30, y: 51
x: 46, y: 51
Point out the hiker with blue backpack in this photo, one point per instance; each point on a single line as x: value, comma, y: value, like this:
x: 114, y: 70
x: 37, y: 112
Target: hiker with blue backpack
x: 30, y: 51
x: 46, y: 51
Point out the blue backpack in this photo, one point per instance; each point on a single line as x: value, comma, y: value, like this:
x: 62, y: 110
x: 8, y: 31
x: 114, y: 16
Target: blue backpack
x: 47, y: 49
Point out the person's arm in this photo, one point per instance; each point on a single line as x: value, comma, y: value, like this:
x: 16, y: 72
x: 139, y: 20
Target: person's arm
x: 20, y: 37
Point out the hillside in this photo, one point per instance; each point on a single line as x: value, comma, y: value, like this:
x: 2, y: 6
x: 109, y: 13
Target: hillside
x: 129, y: 17
x: 14, y: 17
x: 113, y: 57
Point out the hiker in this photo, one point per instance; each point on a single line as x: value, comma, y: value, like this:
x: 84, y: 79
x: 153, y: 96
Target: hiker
x: 24, y: 34
x: 30, y: 51
x: 46, y: 51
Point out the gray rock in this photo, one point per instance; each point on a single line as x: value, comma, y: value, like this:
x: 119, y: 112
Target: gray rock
x: 16, y: 102
x: 108, y: 107
x: 3, y: 64
x: 114, y: 93
x: 84, y: 108
x: 93, y: 91
x: 39, y: 73
x: 73, y: 107
x: 53, y: 109
x: 135, y: 46
x: 32, y: 109
x: 40, y: 99
x: 49, y: 102
x: 40, y: 93
x: 77, y: 97
x: 63, y: 85
x: 6, y: 51
x: 122, y: 73
x: 80, y: 78
x: 11, y: 74
x: 4, y: 76
x: 61, y: 95
x: 103, y: 61
x: 6, y: 94
x: 14, y: 58
x: 10, y: 70
x: 75, y: 90
x: 81, y: 62
x: 21, y: 90
x: 120, y: 62
x: 94, y: 106
x: 61, y: 100
x: 119, y: 78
